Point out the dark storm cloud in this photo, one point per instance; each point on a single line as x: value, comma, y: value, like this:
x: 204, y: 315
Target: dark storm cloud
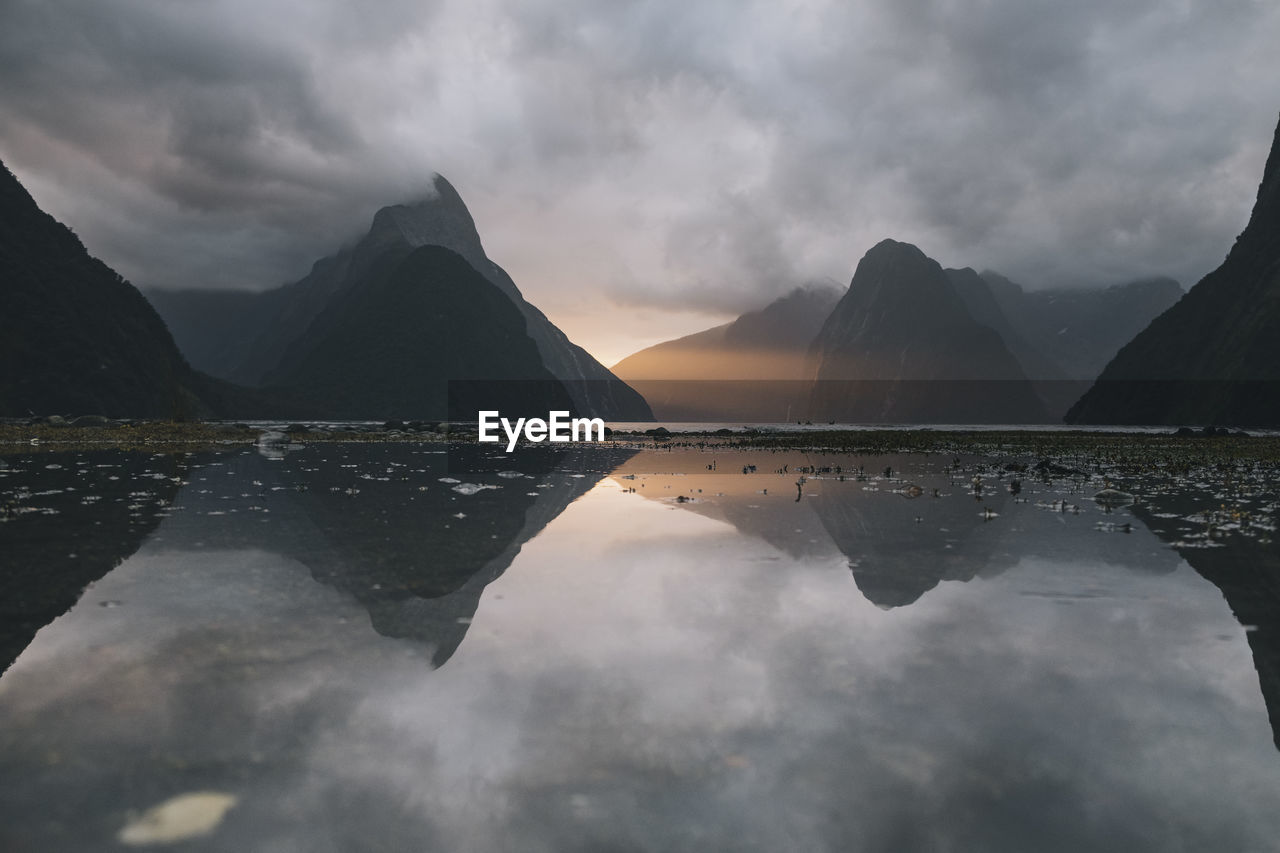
x: 213, y: 138
x: 676, y: 155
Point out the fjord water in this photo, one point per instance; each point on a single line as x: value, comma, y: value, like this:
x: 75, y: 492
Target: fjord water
x: 408, y: 647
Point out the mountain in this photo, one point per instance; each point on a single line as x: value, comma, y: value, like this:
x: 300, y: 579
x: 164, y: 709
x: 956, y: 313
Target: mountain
x: 748, y: 369
x: 290, y: 320
x: 902, y: 346
x: 1214, y: 357
x: 75, y: 337
x: 979, y: 297
x: 1076, y: 330
x: 770, y: 343
x: 1062, y: 338
x: 391, y: 346
x: 215, y: 328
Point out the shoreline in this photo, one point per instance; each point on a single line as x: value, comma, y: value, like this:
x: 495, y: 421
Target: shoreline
x: 168, y: 436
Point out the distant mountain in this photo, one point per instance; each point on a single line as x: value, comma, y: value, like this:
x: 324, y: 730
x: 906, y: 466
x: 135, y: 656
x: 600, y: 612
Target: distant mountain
x: 1062, y: 338
x: 1214, y: 357
x: 980, y: 298
x: 75, y: 337
x: 290, y: 320
x: 1077, y: 330
x: 748, y: 369
x: 902, y: 346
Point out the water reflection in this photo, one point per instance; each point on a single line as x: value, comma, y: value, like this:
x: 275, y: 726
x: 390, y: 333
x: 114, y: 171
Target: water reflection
x: 66, y: 519
x: 390, y: 525
x: 646, y: 673
x: 904, y: 523
x: 1245, y: 568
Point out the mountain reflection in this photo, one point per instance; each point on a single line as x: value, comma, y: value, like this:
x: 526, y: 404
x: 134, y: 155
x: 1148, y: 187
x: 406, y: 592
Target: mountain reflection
x: 385, y: 524
x: 904, y: 524
x: 1246, y: 569
x: 377, y: 521
x: 683, y: 667
x: 68, y: 519
x: 899, y: 547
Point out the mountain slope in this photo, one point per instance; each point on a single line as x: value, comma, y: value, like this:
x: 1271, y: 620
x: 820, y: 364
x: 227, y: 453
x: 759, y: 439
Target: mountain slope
x: 1062, y: 338
x: 215, y: 328
x: 1079, y: 330
x: 748, y: 369
x: 901, y: 346
x: 979, y: 298
x: 391, y: 347
x: 1214, y: 357
x: 770, y: 343
x: 75, y: 337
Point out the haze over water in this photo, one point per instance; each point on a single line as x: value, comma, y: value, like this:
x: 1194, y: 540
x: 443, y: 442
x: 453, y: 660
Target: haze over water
x: 396, y: 647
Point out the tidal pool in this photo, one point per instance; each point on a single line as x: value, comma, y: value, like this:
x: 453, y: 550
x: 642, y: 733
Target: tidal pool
x: 414, y: 647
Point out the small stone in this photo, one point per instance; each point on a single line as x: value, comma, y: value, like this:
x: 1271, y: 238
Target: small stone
x: 180, y: 818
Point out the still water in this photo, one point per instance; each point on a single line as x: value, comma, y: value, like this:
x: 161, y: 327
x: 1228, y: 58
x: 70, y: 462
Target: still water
x: 403, y: 648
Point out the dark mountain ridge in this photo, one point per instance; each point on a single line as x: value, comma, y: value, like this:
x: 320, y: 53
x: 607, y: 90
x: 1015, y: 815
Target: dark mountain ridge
x: 422, y: 336
x: 1214, y: 356
x: 76, y: 338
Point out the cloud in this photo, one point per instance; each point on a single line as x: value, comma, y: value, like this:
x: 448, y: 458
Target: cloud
x: 668, y: 155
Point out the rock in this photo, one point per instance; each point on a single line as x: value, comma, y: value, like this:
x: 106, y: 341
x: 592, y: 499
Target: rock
x: 293, y: 429
x: 1113, y: 497
x: 271, y: 437
x: 92, y: 421
x: 177, y: 819
x: 393, y: 425
x: 1185, y: 432
x: 1053, y: 469
x: 472, y: 488
x: 658, y: 432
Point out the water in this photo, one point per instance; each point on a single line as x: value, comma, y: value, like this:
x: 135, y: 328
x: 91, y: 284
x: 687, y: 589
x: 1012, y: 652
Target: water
x: 358, y: 653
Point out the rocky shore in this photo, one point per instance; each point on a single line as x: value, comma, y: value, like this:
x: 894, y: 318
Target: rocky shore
x: 1165, y: 447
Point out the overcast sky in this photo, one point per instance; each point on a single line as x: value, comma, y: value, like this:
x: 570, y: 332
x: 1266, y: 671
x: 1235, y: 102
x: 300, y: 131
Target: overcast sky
x: 646, y: 169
